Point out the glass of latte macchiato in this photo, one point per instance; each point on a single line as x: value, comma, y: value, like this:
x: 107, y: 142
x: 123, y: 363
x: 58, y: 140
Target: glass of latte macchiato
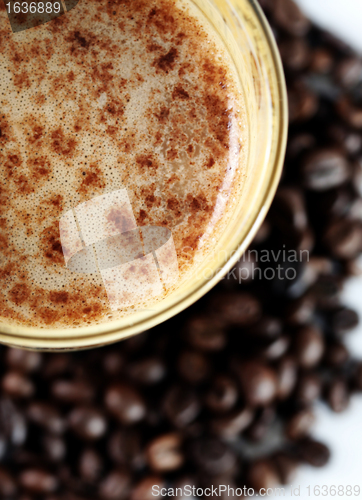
x: 141, y: 143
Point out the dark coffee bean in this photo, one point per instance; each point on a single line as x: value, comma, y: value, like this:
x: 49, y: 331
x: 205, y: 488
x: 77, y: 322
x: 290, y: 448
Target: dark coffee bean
x: 87, y: 423
x: 115, y: 486
x: 125, y: 449
x: 299, y: 144
x: 286, y: 377
x: 308, y: 346
x: 90, y: 465
x: 222, y: 394
x: 125, y: 403
x: 113, y: 363
x: 342, y: 320
x: 258, y: 382
x: 46, y: 416
x: 349, y: 112
x: 241, y: 309
x: 143, y: 490
x: 343, y: 238
x: 262, y: 474
x: 38, y: 481
x: 308, y: 388
x: 164, y: 453
x: 336, y: 355
x: 212, y: 456
x: 205, y: 333
x: 299, y: 424
x: 181, y: 406
x: 261, y: 424
x: 17, y: 386
x: 300, y: 311
x: 286, y: 466
x: 290, y: 18
x: 295, y: 53
x: 56, y: 365
x: 303, y: 103
x: 288, y: 209
x: 267, y: 327
x: 147, y: 371
x: 349, y: 72
x: 72, y: 391
x: 262, y: 235
x: 7, y: 484
x: 313, y: 452
x: 277, y: 348
x: 342, y: 136
x: 321, y: 60
x: 13, y: 426
x: 54, y: 448
x: 324, y: 169
x: 232, y: 424
x: 193, y: 366
x: 337, y: 395
x: 326, y: 292
x: 23, y: 361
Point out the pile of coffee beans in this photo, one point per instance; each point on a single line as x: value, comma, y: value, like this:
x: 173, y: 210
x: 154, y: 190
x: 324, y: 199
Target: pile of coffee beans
x: 224, y: 392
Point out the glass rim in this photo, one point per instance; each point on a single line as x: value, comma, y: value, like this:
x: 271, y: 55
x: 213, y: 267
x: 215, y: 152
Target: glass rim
x: 31, y: 337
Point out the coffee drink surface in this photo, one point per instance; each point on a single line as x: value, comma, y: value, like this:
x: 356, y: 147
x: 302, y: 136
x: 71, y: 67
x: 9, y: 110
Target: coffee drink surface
x: 128, y: 95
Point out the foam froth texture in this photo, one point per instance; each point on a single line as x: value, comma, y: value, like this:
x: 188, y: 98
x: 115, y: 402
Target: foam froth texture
x: 129, y: 96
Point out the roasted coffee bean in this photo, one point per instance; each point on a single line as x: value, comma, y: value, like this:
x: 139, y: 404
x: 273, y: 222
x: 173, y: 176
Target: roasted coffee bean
x: 125, y: 403
x: 349, y: 72
x: 205, y: 333
x: 336, y: 355
x: 90, y: 465
x: 349, y: 112
x: 164, y: 453
x: 288, y: 16
x: 88, y: 423
x: 299, y: 424
x: 125, y: 449
x: 7, y: 484
x: 72, y: 391
x: 181, y: 406
x: 308, y: 388
x: 288, y: 209
x: 240, y: 309
x: 262, y: 474
x: 295, y: 53
x: 286, y: 466
x: 233, y: 424
x: 212, y: 456
x: 300, y: 311
x: 146, y: 488
x: 321, y: 60
x: 115, y: 486
x: 308, y: 346
x: 324, y: 169
x: 342, y: 320
x: 147, y: 371
x: 193, y: 366
x: 313, y: 452
x: 222, y: 394
x: 16, y: 385
x: 277, y: 348
x: 266, y: 328
x: 337, y: 394
x: 261, y: 424
x: 286, y: 377
x: 258, y: 382
x: 13, y: 426
x: 343, y: 238
x: 23, y: 361
x: 38, y: 481
x: 56, y: 365
x: 54, y: 448
x: 47, y: 416
x: 303, y: 103
x: 113, y: 363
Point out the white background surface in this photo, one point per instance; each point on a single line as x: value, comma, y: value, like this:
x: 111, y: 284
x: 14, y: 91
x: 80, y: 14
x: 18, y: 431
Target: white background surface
x: 343, y: 433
